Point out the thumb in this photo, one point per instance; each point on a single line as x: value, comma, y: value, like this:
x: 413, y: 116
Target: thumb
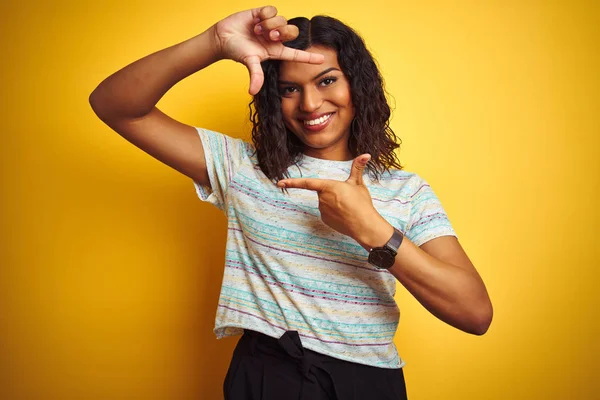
x: 358, y: 167
x: 257, y: 76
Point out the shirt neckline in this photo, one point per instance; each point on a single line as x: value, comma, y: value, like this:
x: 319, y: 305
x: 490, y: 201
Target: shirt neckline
x: 325, y: 163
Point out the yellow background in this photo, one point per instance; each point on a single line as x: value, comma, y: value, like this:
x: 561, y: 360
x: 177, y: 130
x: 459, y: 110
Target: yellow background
x: 111, y: 267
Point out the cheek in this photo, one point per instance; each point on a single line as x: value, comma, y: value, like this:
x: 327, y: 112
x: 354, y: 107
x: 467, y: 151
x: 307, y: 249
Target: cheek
x: 287, y: 114
x: 287, y: 110
x: 343, y: 96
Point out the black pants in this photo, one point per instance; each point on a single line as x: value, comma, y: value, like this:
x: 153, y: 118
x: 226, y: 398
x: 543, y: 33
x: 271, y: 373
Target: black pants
x: 265, y: 368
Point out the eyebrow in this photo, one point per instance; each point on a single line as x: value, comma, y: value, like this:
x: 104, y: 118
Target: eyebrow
x: 316, y: 77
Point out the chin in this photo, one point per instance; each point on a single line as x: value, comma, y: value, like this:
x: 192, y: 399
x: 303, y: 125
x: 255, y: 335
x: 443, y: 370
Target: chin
x: 318, y: 143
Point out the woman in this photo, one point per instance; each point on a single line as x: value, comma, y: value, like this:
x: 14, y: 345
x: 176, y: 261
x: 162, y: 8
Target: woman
x: 315, y: 245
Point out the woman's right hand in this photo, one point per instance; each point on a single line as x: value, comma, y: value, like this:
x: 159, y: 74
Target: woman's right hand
x: 252, y: 36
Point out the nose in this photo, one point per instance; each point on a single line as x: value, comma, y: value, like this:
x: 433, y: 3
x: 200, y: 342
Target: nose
x: 311, y: 100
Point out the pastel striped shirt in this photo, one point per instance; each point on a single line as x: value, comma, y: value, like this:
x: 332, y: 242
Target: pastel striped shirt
x: 286, y: 270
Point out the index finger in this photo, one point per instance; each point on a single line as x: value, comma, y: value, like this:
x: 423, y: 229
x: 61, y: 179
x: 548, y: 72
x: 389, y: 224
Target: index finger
x: 262, y: 13
x: 289, y: 54
x: 303, y: 183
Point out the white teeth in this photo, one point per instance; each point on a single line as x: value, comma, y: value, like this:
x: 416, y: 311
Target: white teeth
x: 318, y: 121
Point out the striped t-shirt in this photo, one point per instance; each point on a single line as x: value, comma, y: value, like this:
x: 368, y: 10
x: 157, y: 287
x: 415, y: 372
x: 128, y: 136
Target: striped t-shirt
x: 287, y: 270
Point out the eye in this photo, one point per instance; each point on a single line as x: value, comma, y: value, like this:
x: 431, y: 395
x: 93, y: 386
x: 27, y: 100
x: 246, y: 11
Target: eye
x: 328, y: 81
x: 287, y: 90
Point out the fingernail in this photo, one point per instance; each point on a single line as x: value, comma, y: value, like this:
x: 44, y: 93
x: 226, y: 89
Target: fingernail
x: 275, y: 34
x: 256, y: 20
x: 258, y: 29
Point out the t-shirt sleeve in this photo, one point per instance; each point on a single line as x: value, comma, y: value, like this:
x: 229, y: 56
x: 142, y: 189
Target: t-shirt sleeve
x: 224, y: 156
x: 428, y: 219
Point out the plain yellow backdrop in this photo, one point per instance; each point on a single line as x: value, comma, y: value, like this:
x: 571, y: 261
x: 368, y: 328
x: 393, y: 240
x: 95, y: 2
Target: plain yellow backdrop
x: 110, y: 266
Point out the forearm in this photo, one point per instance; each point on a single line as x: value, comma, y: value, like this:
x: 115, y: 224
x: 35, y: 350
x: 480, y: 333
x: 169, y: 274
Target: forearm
x: 133, y: 91
x: 454, y: 294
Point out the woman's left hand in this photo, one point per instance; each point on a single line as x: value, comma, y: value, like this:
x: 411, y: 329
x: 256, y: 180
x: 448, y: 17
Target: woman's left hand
x: 345, y: 206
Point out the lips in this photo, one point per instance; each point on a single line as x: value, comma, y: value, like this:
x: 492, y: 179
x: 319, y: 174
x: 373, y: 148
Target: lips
x: 317, y: 122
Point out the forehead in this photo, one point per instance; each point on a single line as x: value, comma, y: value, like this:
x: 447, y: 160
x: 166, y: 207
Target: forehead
x: 304, y: 72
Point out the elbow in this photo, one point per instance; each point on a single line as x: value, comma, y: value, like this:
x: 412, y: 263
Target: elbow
x: 482, y: 320
x: 102, y: 106
x: 95, y: 102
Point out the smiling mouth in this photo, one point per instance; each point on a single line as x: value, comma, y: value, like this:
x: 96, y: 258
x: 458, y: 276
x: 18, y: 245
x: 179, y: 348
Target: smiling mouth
x: 318, y: 123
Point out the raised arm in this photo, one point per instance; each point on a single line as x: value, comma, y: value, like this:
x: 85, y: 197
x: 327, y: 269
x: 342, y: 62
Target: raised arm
x: 126, y: 100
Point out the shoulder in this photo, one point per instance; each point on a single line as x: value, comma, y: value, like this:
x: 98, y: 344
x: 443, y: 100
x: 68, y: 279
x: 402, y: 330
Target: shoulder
x: 230, y: 142
x: 406, y: 183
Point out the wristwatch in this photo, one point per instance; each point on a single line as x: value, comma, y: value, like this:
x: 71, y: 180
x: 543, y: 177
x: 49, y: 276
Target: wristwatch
x: 384, y: 257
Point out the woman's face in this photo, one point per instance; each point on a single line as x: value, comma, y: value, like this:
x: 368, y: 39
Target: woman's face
x: 317, y: 105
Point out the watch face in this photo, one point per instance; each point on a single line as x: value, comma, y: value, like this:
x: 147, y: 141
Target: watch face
x: 381, y: 258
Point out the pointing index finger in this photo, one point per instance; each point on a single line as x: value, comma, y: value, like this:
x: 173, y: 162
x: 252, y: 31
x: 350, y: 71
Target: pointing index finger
x: 303, y: 183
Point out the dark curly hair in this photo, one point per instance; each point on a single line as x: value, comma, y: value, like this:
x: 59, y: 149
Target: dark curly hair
x: 278, y: 148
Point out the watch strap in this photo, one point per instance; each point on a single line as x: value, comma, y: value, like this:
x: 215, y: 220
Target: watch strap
x: 395, y: 241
